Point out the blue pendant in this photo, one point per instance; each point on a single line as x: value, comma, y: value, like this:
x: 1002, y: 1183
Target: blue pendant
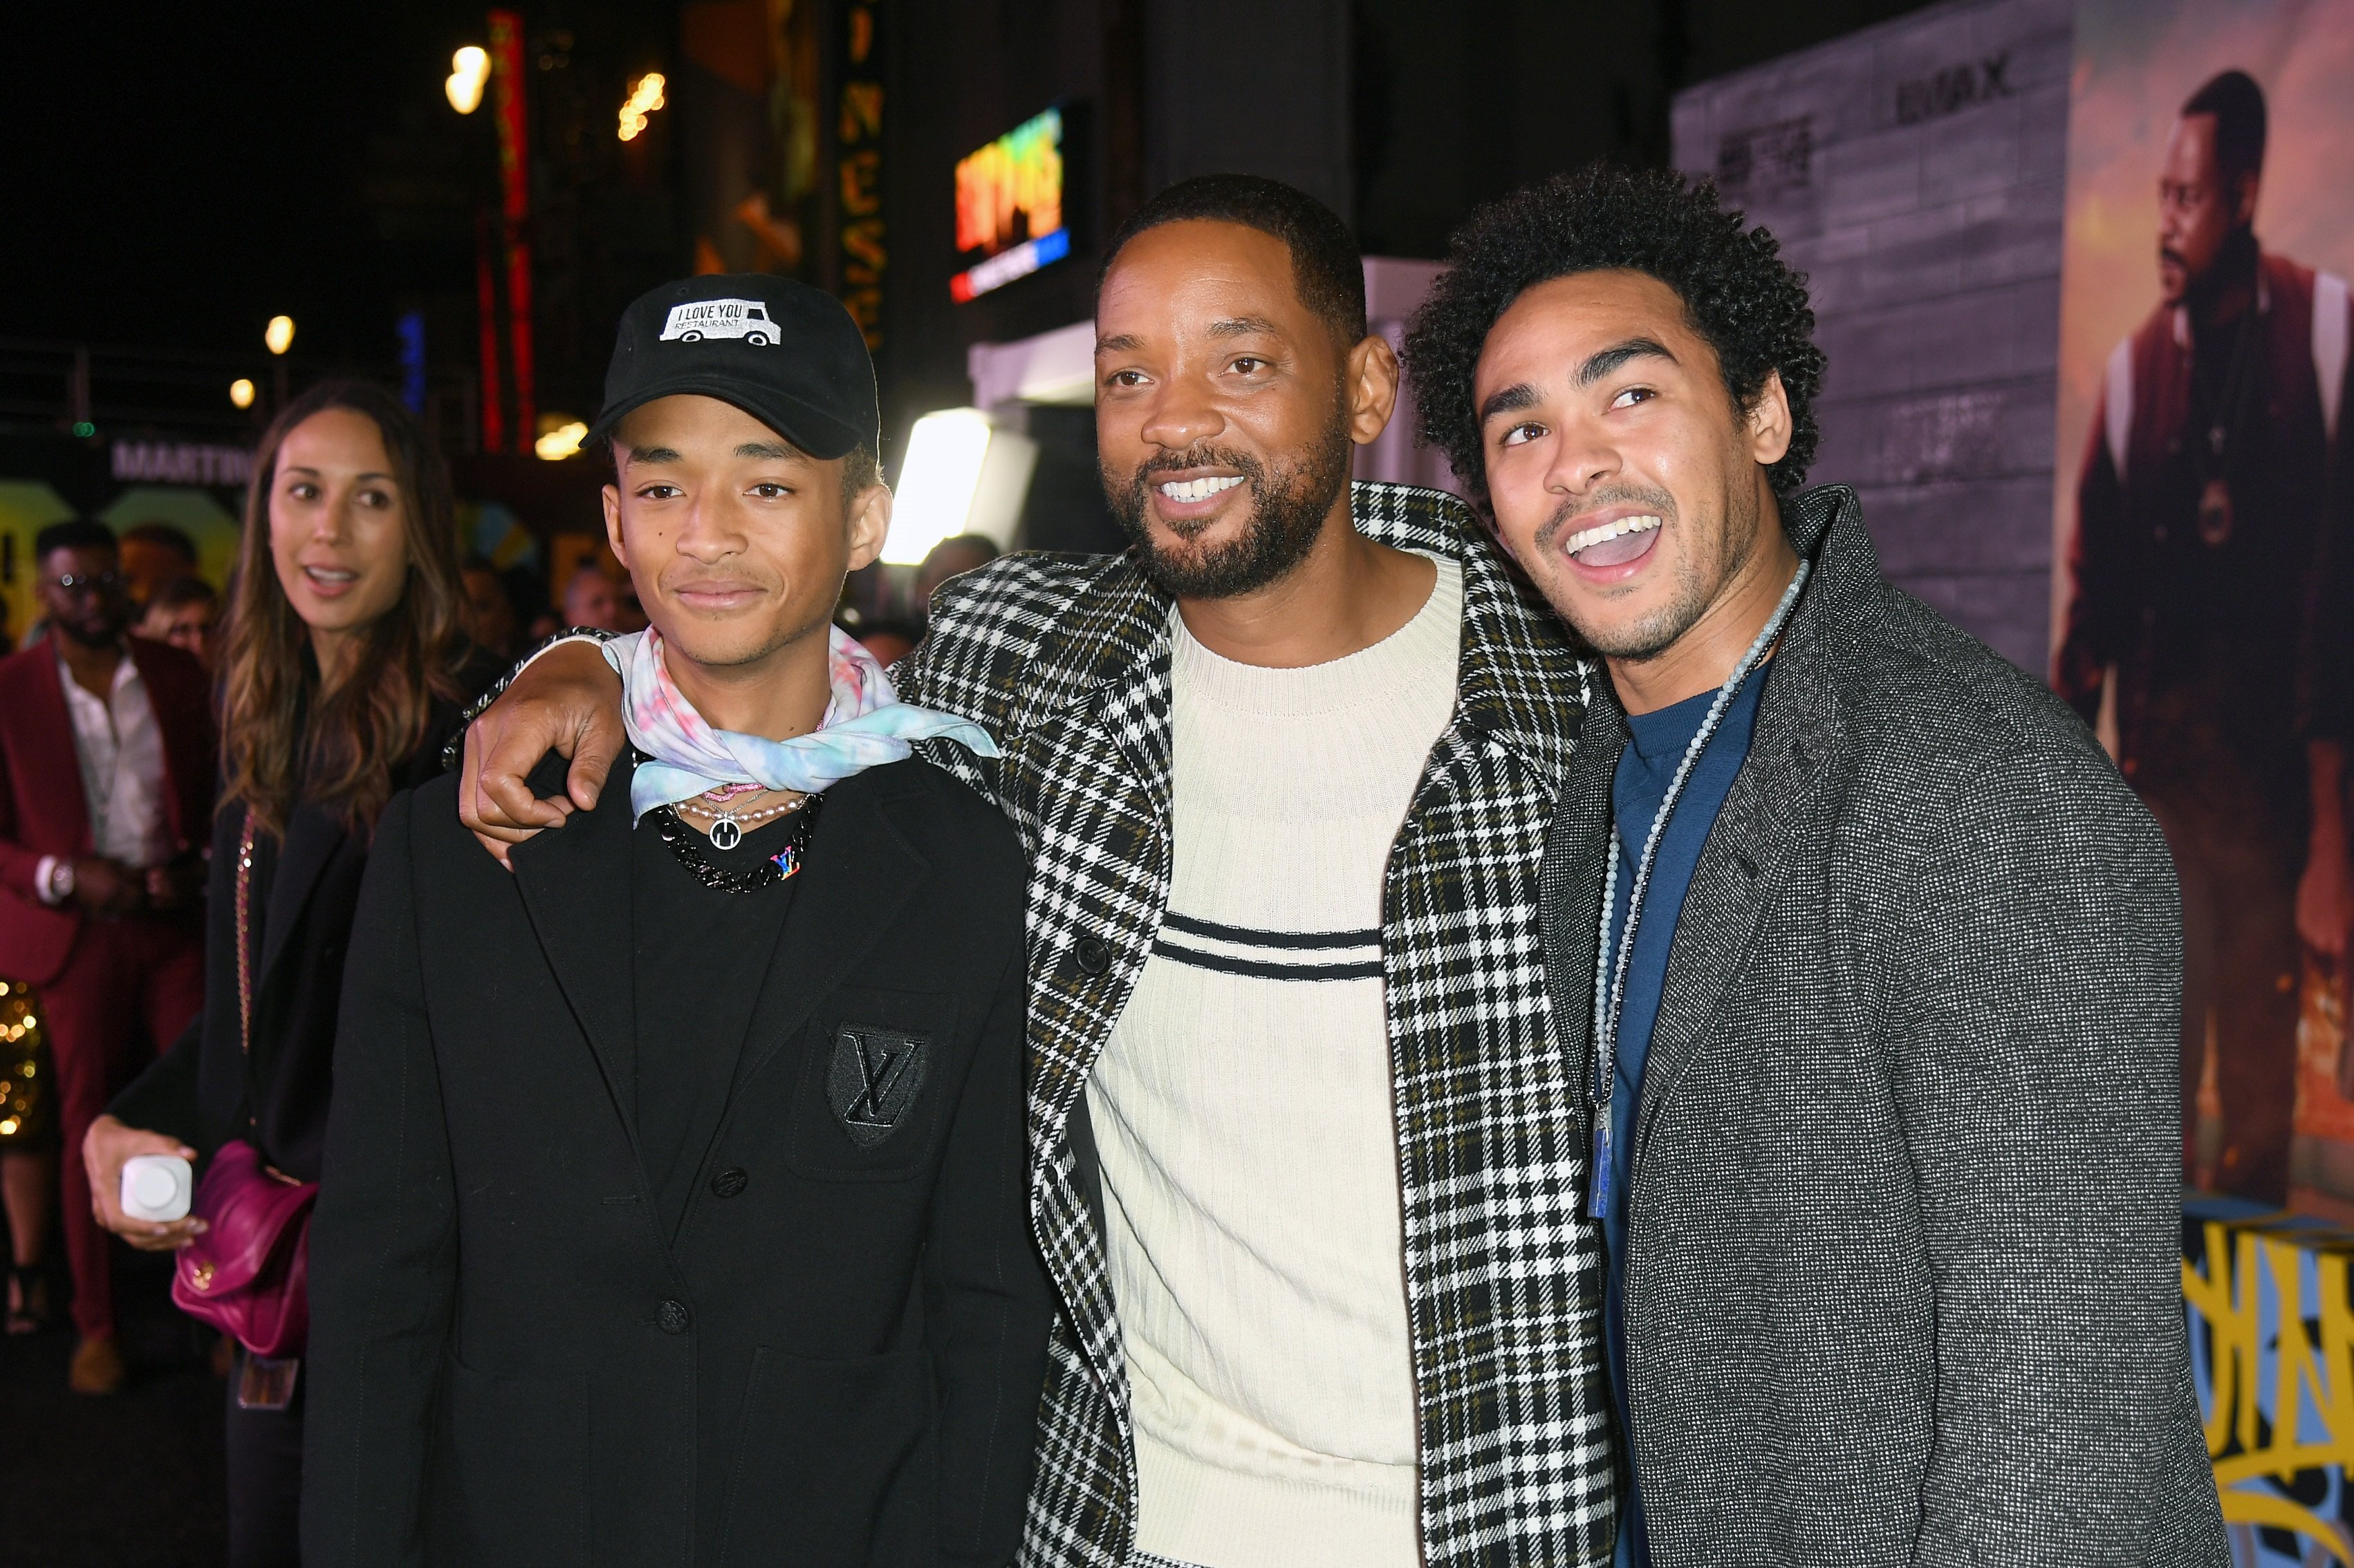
x: 787, y: 863
x: 1597, y: 1207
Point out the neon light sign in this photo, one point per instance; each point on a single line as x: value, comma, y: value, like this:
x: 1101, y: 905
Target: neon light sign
x: 1010, y: 205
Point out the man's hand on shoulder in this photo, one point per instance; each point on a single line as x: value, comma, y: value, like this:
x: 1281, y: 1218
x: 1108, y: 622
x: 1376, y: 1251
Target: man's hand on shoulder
x: 569, y: 702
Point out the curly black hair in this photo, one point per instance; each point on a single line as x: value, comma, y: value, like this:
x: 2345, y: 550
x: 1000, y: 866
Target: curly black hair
x: 1739, y: 296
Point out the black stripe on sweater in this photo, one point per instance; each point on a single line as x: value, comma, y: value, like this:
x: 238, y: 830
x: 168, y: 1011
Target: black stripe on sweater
x: 1250, y: 938
x: 1371, y: 969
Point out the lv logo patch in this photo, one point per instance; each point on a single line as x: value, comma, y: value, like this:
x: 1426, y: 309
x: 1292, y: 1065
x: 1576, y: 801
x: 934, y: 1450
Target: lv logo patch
x: 874, y: 1078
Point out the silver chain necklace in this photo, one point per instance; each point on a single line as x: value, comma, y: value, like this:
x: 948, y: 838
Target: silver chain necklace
x: 1610, y: 977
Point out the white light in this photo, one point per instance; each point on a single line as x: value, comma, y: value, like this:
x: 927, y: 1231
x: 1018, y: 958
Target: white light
x: 936, y: 482
x: 469, y: 68
x: 962, y: 474
x: 561, y: 442
x: 278, y: 334
x: 645, y: 97
x: 240, y: 393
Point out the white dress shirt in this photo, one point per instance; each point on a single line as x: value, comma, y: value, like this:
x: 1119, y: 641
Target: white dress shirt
x: 119, y: 747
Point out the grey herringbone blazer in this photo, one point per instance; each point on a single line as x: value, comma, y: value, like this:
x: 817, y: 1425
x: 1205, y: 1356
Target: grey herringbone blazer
x: 1902, y: 1283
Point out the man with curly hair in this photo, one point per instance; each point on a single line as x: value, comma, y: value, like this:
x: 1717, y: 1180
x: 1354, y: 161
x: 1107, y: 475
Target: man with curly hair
x: 1868, y: 958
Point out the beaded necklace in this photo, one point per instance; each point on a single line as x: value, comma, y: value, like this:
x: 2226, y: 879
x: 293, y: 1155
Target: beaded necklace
x: 1610, y: 976
x: 727, y: 824
x: 682, y: 841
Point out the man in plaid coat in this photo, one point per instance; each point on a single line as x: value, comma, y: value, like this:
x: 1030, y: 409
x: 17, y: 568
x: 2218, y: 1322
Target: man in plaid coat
x: 1306, y: 1156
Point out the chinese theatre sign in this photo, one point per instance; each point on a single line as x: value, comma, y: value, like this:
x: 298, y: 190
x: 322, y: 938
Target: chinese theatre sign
x: 859, y: 134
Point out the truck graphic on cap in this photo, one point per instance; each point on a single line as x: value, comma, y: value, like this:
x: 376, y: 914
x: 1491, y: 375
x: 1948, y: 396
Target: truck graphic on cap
x: 699, y: 319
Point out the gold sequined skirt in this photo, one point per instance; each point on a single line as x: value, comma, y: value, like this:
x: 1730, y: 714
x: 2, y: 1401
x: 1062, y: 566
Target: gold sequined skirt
x: 27, y: 1111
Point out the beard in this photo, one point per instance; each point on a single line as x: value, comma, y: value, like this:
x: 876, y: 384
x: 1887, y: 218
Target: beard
x: 1288, y: 508
x: 1698, y: 578
x: 93, y: 632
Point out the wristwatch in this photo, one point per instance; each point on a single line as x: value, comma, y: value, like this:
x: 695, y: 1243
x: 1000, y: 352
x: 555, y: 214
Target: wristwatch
x: 61, y: 880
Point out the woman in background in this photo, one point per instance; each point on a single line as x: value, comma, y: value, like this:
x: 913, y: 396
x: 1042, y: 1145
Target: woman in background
x: 345, y: 672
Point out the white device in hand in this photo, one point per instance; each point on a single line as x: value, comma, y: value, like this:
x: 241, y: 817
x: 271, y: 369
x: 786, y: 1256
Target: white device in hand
x: 156, y: 1187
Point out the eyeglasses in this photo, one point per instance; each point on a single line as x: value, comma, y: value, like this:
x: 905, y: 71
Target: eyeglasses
x: 87, y: 582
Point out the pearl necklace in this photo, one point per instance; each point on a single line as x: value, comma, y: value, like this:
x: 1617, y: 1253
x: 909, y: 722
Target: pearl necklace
x: 727, y: 825
x: 1609, y: 979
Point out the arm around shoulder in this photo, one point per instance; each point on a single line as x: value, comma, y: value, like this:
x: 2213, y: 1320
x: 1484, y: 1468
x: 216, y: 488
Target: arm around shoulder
x: 382, y: 1241
x: 565, y: 698
x: 987, y: 626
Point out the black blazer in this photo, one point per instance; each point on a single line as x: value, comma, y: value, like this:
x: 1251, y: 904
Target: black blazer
x: 508, y: 1353
x: 208, y: 1088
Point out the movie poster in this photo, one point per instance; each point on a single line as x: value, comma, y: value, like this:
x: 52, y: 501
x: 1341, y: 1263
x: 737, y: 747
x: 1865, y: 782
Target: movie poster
x: 2202, y: 552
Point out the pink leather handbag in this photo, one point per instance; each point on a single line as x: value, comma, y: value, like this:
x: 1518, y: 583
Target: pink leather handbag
x: 249, y: 1274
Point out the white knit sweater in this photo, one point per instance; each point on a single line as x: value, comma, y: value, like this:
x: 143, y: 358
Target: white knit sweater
x: 1243, y: 1109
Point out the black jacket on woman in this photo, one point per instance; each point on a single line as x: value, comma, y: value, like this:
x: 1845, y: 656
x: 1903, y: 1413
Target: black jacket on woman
x: 830, y: 1357
x: 207, y: 1088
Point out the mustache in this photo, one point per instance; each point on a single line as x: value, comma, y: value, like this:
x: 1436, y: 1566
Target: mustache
x: 1659, y: 501
x: 1198, y: 456
x: 93, y: 632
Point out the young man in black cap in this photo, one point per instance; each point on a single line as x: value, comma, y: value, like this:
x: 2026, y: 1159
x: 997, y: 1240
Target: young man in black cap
x: 673, y: 1197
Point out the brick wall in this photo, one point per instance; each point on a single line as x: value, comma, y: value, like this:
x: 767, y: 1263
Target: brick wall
x: 1915, y: 172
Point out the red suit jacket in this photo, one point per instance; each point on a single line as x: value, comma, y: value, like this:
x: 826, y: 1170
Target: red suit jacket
x: 41, y: 808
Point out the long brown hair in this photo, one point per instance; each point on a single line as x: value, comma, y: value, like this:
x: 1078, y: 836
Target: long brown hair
x: 281, y: 737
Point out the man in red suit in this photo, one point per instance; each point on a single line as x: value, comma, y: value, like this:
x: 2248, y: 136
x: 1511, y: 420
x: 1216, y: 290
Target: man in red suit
x: 106, y: 795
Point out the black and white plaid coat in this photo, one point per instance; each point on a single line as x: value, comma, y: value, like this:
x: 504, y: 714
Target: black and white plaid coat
x: 1066, y: 659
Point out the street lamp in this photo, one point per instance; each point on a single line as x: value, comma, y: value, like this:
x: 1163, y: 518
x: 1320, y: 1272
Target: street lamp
x: 469, y: 68
x: 559, y: 438
x: 240, y: 393
x: 280, y: 333
x: 645, y: 97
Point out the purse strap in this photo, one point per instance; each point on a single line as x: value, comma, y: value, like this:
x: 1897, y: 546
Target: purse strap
x: 244, y: 943
x: 245, y: 971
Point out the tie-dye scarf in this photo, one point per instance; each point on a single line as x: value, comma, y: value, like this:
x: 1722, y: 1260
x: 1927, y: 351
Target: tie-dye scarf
x: 865, y: 725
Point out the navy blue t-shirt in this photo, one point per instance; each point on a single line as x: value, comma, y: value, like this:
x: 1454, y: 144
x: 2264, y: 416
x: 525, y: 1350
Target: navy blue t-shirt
x: 1655, y: 749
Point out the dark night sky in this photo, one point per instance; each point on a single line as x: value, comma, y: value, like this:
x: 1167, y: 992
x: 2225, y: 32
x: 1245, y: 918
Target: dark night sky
x: 180, y: 173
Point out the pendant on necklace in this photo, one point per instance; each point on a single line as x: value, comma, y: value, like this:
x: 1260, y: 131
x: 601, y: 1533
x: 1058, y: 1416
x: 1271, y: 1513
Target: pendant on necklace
x: 725, y: 833
x: 1598, y: 1176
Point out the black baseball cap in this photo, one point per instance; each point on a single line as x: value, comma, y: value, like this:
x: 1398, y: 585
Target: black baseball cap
x: 784, y: 353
